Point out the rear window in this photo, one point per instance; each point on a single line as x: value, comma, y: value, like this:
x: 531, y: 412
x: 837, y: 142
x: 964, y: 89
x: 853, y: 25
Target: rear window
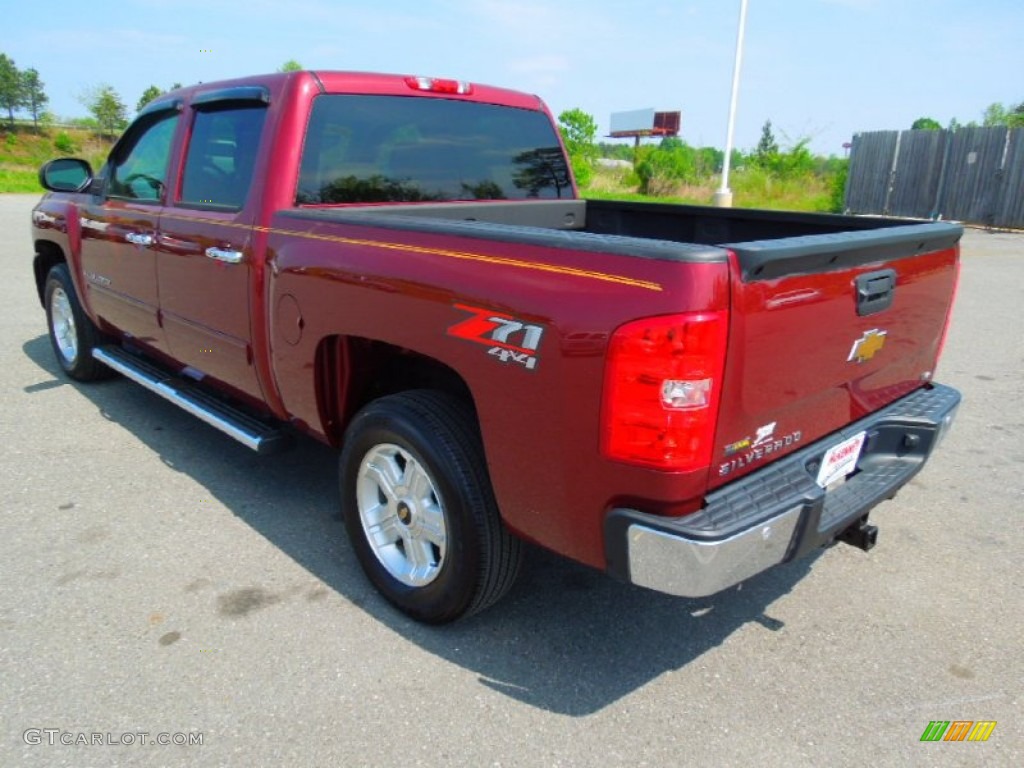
x: 391, y: 149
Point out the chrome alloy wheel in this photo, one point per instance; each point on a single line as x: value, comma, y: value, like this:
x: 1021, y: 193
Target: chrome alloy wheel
x: 62, y: 320
x: 402, y: 514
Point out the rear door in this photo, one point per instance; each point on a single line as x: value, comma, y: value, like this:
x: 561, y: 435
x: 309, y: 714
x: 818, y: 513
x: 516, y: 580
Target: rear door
x: 205, y: 265
x: 825, y: 330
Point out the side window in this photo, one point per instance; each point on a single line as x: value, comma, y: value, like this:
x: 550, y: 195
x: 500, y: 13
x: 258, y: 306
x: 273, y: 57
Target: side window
x: 140, y: 169
x: 221, y: 156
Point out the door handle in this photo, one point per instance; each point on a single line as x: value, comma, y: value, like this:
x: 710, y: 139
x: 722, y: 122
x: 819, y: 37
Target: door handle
x: 224, y: 254
x: 137, y: 238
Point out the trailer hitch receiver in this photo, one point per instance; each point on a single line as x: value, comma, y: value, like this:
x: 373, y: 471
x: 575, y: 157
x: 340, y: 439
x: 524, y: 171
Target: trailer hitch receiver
x: 861, y: 535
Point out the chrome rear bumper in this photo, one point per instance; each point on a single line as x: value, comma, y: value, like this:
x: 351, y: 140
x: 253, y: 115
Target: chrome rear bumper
x: 779, y: 513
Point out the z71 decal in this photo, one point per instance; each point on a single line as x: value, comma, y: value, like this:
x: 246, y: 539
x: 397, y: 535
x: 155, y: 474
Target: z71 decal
x: 510, y: 340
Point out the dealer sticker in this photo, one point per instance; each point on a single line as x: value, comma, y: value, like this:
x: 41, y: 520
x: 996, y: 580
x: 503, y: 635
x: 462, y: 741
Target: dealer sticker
x: 840, y: 460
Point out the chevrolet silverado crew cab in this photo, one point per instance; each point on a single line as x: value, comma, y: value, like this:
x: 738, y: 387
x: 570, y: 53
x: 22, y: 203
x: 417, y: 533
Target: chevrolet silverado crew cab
x: 401, y: 268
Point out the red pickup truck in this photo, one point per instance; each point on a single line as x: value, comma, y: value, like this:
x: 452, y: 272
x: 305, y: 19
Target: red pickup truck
x: 401, y: 267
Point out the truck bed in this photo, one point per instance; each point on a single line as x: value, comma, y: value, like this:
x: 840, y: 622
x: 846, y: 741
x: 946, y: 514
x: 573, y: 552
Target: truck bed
x: 767, y: 243
x: 808, y: 293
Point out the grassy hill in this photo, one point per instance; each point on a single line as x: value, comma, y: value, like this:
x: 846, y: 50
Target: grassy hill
x: 22, y: 151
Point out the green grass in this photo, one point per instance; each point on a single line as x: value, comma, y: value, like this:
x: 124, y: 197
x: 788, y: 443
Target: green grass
x: 751, y: 188
x: 636, y: 197
x: 19, y: 180
x: 22, y: 151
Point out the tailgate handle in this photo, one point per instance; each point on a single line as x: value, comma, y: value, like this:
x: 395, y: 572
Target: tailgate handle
x: 875, y: 291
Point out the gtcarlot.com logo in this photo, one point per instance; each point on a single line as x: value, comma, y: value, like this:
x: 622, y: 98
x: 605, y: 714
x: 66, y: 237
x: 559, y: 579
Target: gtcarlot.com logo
x: 59, y: 737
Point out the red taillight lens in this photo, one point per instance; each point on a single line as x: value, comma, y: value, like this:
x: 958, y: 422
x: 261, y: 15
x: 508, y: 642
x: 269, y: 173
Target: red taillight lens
x: 949, y: 312
x: 439, y: 85
x: 663, y: 378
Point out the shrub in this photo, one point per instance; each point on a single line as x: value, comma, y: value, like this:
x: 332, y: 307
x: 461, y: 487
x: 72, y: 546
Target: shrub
x: 63, y: 143
x: 667, y: 166
x: 837, y: 192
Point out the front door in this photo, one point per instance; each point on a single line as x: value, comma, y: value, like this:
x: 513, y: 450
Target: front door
x: 205, y: 262
x: 120, y: 228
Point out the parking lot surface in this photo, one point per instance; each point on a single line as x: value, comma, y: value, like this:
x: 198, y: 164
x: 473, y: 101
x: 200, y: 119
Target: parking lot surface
x: 159, y: 578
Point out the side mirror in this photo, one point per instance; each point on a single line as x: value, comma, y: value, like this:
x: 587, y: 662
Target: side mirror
x: 66, y: 174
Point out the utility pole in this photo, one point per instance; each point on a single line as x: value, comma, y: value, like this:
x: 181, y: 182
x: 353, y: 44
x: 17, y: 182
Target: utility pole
x: 723, y: 197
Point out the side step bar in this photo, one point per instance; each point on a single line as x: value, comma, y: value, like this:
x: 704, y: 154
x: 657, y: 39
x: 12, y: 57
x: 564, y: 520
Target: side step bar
x: 250, y: 432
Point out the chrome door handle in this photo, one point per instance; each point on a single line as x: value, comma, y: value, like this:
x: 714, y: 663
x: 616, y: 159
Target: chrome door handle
x: 225, y: 255
x: 137, y: 238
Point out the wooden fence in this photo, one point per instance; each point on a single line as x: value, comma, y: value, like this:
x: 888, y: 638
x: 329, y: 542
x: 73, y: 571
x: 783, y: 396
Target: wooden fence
x: 974, y: 175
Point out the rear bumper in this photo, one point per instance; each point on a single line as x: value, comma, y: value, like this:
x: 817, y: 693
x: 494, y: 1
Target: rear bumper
x: 779, y: 513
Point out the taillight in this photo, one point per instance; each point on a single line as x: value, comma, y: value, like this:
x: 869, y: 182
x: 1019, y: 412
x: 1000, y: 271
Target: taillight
x: 663, y: 378
x: 438, y: 85
x: 949, y: 312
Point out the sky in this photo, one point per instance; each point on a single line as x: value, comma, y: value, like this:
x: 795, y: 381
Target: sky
x: 821, y: 70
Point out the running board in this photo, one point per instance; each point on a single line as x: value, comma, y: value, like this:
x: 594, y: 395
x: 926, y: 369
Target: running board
x: 250, y: 432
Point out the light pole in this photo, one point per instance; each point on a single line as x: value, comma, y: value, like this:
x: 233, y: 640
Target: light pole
x: 723, y: 197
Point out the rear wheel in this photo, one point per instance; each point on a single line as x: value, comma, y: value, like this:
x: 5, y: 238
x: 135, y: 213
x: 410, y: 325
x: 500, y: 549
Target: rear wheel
x: 419, y: 509
x: 72, y: 334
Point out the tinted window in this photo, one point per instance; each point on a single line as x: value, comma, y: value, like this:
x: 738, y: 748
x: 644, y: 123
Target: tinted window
x: 408, y: 149
x: 221, y: 155
x: 140, y: 164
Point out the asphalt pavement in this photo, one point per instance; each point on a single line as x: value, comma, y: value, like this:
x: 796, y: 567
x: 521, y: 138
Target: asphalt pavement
x: 157, y: 578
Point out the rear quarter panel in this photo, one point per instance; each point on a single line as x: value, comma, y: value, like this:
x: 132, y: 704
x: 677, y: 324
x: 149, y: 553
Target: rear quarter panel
x: 540, y: 427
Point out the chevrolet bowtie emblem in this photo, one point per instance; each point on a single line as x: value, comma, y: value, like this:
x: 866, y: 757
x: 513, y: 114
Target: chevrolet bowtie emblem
x: 867, y: 346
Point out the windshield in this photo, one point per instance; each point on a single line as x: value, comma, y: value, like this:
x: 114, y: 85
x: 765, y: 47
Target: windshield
x: 380, y: 149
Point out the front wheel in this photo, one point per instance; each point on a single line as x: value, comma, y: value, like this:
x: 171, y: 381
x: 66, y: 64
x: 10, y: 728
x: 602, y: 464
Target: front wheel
x: 72, y: 334
x: 419, y: 508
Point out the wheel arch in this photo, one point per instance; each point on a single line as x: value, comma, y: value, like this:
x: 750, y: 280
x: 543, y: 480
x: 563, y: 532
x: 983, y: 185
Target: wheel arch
x: 48, y: 255
x: 352, y: 371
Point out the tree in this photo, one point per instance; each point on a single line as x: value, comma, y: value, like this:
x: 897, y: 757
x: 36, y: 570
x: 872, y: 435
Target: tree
x: 579, y: 131
x: 12, y: 91
x: 540, y: 169
x: 291, y: 66
x: 106, y: 106
x: 33, y: 96
x: 994, y: 114
x: 147, y: 96
x: 767, y: 147
x: 926, y: 124
x: 997, y: 114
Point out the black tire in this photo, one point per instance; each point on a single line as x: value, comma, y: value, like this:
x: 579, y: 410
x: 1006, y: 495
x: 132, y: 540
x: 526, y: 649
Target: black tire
x: 72, y: 334
x: 426, y: 433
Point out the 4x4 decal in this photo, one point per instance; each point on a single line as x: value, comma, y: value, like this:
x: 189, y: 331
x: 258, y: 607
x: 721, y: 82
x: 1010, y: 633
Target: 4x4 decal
x: 510, y: 340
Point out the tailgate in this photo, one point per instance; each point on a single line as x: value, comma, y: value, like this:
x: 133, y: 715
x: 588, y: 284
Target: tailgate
x: 825, y: 330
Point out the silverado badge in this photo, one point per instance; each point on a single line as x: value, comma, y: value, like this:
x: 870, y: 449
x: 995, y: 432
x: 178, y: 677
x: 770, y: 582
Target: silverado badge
x: 867, y: 346
x: 754, y: 448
